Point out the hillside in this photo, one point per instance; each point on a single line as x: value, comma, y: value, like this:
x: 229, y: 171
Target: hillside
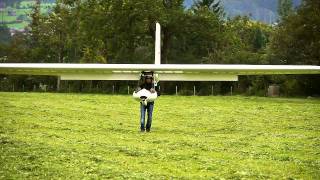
x: 14, y: 14
x: 261, y: 10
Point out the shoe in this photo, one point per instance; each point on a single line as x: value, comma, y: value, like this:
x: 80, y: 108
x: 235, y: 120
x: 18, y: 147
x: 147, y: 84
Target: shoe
x: 142, y: 130
x: 148, y: 130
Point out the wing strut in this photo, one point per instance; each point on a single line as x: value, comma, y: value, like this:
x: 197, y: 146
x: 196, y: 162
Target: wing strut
x: 157, y: 53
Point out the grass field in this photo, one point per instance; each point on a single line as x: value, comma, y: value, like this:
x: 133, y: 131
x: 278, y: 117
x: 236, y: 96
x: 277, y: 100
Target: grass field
x: 77, y: 136
x: 26, y: 9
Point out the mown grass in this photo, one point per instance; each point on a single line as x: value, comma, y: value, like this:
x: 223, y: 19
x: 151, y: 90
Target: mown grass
x: 97, y: 136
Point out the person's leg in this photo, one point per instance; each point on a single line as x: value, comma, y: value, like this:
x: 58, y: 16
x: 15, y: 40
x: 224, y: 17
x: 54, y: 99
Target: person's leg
x: 150, y: 111
x: 142, y: 116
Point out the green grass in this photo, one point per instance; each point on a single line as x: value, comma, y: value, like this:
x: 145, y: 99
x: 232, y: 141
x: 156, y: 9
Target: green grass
x: 27, y: 3
x: 77, y: 136
x: 26, y: 10
x: 21, y: 25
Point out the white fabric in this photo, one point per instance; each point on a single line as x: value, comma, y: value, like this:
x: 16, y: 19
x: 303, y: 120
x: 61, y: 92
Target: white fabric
x: 143, y: 92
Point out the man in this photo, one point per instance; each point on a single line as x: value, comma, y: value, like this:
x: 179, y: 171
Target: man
x: 146, y: 82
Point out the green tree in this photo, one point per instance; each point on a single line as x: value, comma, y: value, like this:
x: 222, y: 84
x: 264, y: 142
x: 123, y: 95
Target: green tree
x: 37, y: 52
x: 35, y: 23
x: 297, y: 41
x: 260, y: 39
x: 246, y: 41
x: 285, y: 8
x: 212, y: 5
x: 18, y: 50
x: 5, y: 35
x: 204, y: 36
x: 172, y: 22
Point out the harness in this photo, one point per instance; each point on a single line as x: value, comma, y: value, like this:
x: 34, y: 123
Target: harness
x: 147, y: 75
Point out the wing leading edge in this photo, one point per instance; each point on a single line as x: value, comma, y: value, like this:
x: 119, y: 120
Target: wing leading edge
x: 166, y: 72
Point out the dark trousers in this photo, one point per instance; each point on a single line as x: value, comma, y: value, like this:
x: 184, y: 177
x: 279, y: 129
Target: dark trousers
x: 143, y: 109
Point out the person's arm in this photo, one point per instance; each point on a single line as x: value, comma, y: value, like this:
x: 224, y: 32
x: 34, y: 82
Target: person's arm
x: 140, y: 86
x: 158, y: 90
x: 155, y: 89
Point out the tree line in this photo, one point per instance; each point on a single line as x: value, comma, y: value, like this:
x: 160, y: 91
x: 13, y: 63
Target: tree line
x: 122, y: 31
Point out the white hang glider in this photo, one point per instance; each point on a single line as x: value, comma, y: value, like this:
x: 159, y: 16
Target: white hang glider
x: 165, y: 72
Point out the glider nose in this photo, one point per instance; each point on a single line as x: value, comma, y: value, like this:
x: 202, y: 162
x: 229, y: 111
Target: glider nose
x: 143, y: 97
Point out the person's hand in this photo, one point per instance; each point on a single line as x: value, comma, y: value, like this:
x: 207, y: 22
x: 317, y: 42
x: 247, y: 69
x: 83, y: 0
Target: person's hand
x: 137, y: 89
x: 152, y: 90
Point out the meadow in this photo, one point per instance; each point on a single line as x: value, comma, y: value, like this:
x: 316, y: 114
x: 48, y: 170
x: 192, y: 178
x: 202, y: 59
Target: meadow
x: 82, y: 136
x: 25, y: 9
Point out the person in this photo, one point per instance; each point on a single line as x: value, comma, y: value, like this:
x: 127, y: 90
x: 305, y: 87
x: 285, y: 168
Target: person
x: 146, y: 82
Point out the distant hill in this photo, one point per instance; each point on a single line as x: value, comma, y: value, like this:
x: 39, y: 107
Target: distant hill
x: 15, y: 16
x: 14, y: 13
x: 261, y: 10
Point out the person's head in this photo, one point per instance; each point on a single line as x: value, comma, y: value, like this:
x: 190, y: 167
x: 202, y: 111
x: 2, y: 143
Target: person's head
x: 148, y: 79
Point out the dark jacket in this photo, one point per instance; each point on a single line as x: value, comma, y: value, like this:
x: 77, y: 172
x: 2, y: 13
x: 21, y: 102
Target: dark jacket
x: 148, y: 86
